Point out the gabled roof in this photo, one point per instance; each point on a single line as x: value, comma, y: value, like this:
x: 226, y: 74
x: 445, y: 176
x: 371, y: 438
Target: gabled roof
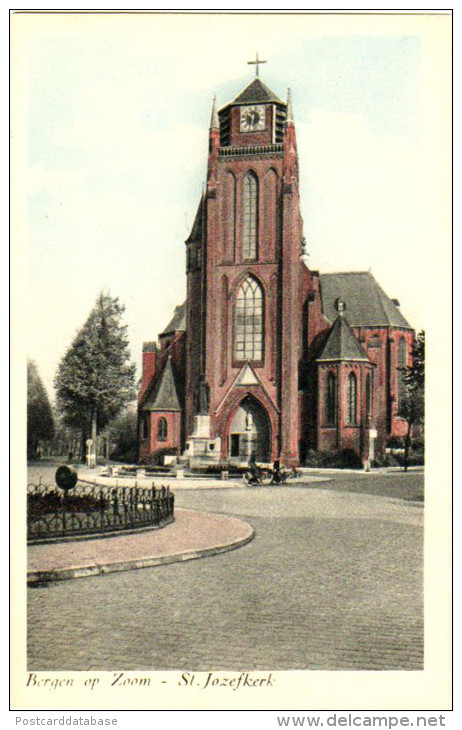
x: 367, y: 305
x: 178, y: 321
x: 341, y: 344
x: 198, y: 225
x: 255, y: 91
x: 164, y: 397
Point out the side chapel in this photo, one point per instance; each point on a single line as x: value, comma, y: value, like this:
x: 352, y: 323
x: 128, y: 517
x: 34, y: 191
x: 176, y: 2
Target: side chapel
x: 266, y: 355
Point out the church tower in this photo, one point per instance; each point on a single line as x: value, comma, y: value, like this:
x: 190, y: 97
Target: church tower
x: 243, y: 312
x: 261, y: 358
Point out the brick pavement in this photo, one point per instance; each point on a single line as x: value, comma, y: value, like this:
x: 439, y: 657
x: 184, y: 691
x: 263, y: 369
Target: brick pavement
x: 332, y: 580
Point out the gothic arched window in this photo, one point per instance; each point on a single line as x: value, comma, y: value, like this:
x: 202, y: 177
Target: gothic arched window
x: 144, y: 427
x: 352, y: 398
x: 229, y: 216
x: 368, y: 398
x: 162, y: 429
x: 270, y: 216
x: 250, y: 217
x: 330, y: 400
x: 401, y: 369
x: 248, y: 321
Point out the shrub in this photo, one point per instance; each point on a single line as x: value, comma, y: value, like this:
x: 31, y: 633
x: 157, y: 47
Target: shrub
x: 218, y: 468
x: 395, y: 442
x: 350, y: 459
x: 418, y: 445
x: 129, y: 469
x: 414, y: 459
x: 314, y: 458
x: 157, y: 470
x: 156, y: 458
x: 54, y: 502
x: 126, y: 457
x: 344, y: 459
x: 385, y: 460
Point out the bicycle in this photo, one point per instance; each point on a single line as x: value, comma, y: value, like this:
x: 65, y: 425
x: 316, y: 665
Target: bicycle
x: 267, y: 477
x: 262, y: 479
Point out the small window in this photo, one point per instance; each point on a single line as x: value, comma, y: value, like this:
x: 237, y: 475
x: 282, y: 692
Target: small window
x: 162, y: 429
x: 352, y: 397
x: 330, y: 402
x: 144, y: 427
x: 401, y: 370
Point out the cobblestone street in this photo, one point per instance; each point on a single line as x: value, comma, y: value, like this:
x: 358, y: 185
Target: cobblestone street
x: 332, y: 580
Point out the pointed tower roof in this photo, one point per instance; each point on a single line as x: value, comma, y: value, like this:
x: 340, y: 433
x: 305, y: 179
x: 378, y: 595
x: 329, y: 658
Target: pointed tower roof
x: 341, y: 344
x: 290, y: 113
x: 256, y: 91
x: 214, y: 123
x: 164, y: 397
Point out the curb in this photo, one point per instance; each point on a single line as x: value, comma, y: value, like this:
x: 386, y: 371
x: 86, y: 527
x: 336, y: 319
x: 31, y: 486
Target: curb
x: 47, y: 576
x: 162, y: 480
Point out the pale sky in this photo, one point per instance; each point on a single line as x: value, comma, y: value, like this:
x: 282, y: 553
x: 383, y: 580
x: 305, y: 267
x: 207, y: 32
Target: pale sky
x: 116, y: 124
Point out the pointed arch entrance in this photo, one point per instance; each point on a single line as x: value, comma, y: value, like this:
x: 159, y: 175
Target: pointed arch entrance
x: 250, y: 431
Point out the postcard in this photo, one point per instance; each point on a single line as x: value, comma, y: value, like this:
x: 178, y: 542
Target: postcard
x: 231, y: 298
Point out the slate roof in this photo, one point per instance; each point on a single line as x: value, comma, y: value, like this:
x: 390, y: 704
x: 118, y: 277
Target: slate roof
x: 196, y: 230
x: 367, y: 305
x: 256, y: 91
x: 164, y: 397
x: 178, y: 321
x: 341, y: 344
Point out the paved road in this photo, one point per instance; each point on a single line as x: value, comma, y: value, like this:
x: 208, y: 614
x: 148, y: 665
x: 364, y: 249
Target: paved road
x: 333, y: 580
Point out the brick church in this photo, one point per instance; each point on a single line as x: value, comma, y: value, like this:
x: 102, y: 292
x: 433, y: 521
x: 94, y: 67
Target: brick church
x: 266, y: 355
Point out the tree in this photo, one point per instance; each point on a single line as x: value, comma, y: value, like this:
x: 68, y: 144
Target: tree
x: 40, y: 424
x: 95, y: 378
x: 123, y: 432
x: 412, y: 407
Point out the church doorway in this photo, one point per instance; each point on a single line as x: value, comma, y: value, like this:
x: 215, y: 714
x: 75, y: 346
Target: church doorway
x: 250, y: 431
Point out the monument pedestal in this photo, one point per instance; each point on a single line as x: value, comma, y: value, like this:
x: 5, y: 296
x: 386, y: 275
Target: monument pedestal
x: 201, y: 449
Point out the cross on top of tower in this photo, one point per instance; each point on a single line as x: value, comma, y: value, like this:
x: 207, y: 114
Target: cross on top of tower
x: 256, y: 63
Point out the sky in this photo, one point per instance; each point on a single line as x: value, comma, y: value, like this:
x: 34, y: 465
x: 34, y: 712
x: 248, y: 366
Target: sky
x: 112, y: 116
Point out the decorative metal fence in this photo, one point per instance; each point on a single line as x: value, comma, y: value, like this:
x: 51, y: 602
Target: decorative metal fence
x: 93, y: 509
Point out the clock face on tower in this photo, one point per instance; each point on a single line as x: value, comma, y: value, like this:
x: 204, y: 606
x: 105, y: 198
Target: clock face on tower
x: 252, y: 119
